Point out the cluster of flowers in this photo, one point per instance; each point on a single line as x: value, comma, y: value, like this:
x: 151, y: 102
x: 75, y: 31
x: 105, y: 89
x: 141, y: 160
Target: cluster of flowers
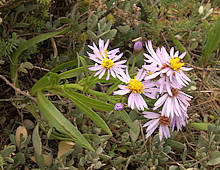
x: 160, y: 77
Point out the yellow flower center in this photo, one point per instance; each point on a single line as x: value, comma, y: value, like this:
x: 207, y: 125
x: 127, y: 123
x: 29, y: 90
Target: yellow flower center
x: 107, y: 63
x: 149, y: 73
x: 106, y: 53
x: 135, y: 86
x: 175, y: 63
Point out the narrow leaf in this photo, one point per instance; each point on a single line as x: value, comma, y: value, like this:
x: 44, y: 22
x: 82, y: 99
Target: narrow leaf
x: 46, y: 82
x: 27, y: 44
x: 124, y: 115
x: 37, y: 141
x: 93, y: 103
x: 71, y: 73
x: 201, y: 126
x: 212, y: 43
x: 215, y: 158
x: 89, y: 112
x: 175, y: 144
x: 84, y: 64
x: 57, y: 120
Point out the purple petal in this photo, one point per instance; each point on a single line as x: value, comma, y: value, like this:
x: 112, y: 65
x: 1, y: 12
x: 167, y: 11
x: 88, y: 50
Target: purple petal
x: 172, y: 52
x: 152, y: 76
x: 182, y: 55
x: 102, y: 73
x: 154, y: 124
x: 151, y: 115
x: 108, y: 75
x: 95, y: 68
x: 121, y: 92
x: 160, y: 101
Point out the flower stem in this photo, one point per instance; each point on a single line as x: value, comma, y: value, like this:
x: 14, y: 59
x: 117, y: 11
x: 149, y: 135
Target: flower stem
x: 133, y: 63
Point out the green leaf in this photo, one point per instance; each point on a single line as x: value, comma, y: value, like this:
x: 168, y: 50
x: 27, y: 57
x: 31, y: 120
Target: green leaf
x: 66, y: 65
x: 201, y: 126
x: 134, y: 135
x: 40, y: 160
x: 175, y: 144
x: 113, y: 87
x: 124, y: 115
x: 89, y: 112
x: 92, y: 35
x: 8, y: 151
x: 92, y: 21
x: 212, y: 43
x: 28, y: 65
x: 46, y: 82
x: 98, y: 94
x: 37, y: 141
x: 57, y: 120
x: 84, y: 64
x: 124, y: 29
x: 93, y: 103
x: 27, y: 44
x: 72, y: 73
x: 215, y: 158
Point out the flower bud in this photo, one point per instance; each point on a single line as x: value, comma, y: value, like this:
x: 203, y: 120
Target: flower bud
x: 119, y: 107
x: 138, y: 46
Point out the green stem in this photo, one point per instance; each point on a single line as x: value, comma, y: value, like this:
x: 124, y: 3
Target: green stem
x: 133, y: 63
x: 89, y: 91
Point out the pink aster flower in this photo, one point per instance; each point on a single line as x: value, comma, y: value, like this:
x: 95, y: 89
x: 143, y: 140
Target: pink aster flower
x: 167, y: 65
x: 157, y: 120
x: 136, y: 87
x: 175, y: 105
x: 106, y: 61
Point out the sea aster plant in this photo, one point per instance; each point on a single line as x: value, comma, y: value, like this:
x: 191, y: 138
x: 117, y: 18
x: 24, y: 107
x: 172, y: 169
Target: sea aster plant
x: 157, y: 120
x: 175, y: 104
x: 166, y: 65
x: 136, y: 87
x: 106, y: 61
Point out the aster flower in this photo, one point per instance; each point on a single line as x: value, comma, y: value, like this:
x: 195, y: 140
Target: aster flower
x: 157, y: 120
x: 175, y: 105
x: 106, y: 61
x: 136, y: 87
x: 166, y: 65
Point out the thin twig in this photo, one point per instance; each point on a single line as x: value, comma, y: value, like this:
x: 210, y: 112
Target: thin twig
x: 200, y: 68
x: 55, y: 52
x: 17, y: 89
x: 174, y: 161
x: 40, y: 68
x: 142, y: 133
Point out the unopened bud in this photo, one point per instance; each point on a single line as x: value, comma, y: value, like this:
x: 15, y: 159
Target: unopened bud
x: 119, y: 107
x: 138, y: 46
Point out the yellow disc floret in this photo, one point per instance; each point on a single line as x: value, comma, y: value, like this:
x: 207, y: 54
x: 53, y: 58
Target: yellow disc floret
x: 149, y: 73
x: 106, y: 53
x: 135, y: 86
x: 175, y: 63
x: 107, y: 63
